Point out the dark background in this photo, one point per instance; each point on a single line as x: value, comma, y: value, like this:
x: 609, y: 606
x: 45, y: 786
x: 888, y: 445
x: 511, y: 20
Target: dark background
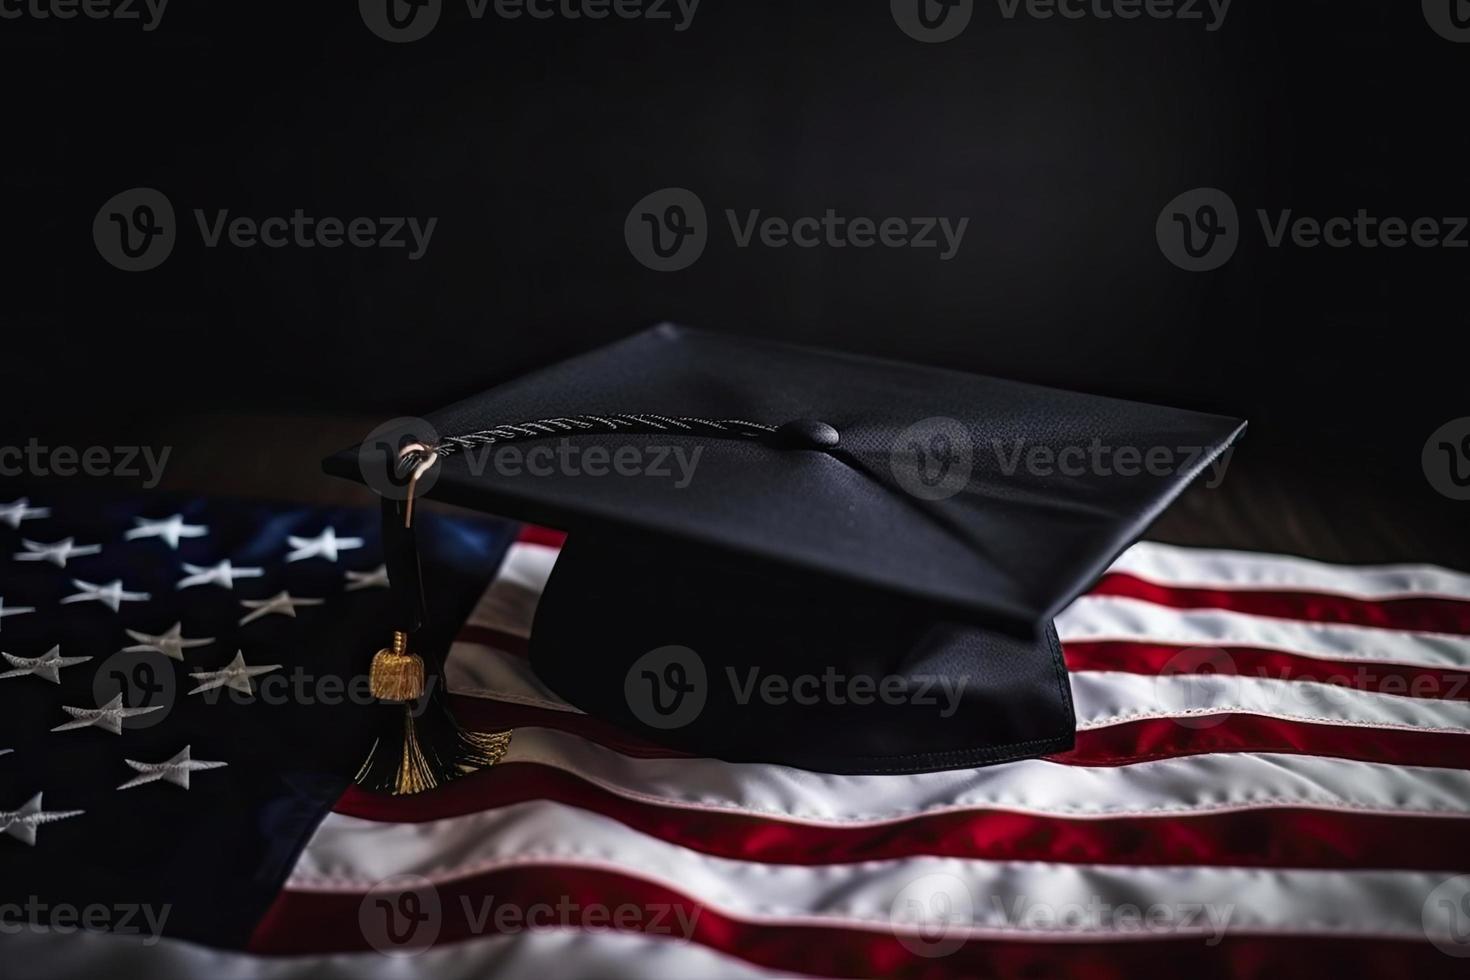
x: 1060, y: 140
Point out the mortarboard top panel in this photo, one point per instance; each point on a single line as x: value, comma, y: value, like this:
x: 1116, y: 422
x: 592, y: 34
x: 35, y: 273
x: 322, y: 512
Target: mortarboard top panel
x: 932, y: 492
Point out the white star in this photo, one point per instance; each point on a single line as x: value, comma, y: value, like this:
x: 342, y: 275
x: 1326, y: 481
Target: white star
x: 175, y: 770
x: 170, y: 530
x: 235, y: 676
x: 281, y: 604
x: 21, y: 824
x: 375, y: 579
x: 222, y: 574
x: 110, y: 595
x: 171, y: 644
x: 47, y: 666
x: 57, y: 554
x: 21, y: 510
x: 17, y: 611
x: 109, y: 717
x: 326, y: 544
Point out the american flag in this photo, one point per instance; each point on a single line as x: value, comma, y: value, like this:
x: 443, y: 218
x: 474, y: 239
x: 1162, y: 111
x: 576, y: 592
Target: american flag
x: 1270, y: 775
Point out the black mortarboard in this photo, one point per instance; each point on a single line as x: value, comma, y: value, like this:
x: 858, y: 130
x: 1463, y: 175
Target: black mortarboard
x: 798, y: 556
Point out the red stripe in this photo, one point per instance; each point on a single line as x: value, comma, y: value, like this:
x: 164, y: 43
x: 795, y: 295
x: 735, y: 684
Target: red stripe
x: 316, y: 922
x: 535, y: 534
x: 1423, y: 614
x: 1167, y: 738
x: 1298, y: 838
x: 1159, y: 658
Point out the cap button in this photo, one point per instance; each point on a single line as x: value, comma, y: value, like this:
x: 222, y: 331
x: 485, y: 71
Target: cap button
x: 805, y: 434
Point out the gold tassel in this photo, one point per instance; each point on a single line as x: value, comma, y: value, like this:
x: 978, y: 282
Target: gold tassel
x: 397, y: 674
x: 418, y: 767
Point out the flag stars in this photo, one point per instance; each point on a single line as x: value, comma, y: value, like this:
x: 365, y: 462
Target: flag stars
x: 175, y: 770
x: 326, y: 545
x: 15, y: 610
x: 168, y: 530
x: 47, y: 666
x: 109, y: 717
x: 57, y: 554
x: 21, y: 510
x: 22, y: 824
x: 222, y: 574
x: 280, y: 604
x: 377, y: 578
x: 237, y: 676
x: 110, y: 595
x: 171, y: 644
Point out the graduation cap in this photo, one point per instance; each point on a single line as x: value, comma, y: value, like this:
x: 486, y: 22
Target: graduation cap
x: 788, y: 555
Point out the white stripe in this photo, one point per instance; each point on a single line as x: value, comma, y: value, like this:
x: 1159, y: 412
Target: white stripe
x: 1207, y: 783
x: 1204, y: 568
x: 542, y: 952
x: 1104, y: 698
x: 1094, y: 618
x: 509, y: 604
x: 348, y: 854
